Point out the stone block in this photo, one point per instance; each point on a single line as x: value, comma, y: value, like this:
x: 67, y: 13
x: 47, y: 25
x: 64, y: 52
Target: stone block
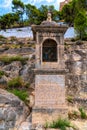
x: 50, y: 91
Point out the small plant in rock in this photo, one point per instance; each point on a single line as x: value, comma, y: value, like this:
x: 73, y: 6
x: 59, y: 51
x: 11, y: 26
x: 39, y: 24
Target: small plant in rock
x: 73, y: 39
x: 2, y: 37
x: 21, y: 94
x: 83, y: 113
x: 9, y: 59
x: 2, y: 73
x: 46, y: 125
x: 15, y: 83
x: 60, y: 123
x: 14, y: 46
x: 13, y: 38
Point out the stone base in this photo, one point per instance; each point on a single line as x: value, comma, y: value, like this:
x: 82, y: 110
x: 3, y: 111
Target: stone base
x: 42, y: 115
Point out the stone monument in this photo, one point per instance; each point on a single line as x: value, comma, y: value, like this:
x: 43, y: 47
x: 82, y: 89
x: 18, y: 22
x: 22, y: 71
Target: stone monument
x: 49, y: 71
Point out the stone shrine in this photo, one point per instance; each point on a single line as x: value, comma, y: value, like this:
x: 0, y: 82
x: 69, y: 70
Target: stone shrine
x: 49, y: 71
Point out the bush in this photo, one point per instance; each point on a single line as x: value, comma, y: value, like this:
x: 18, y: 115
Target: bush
x: 15, y: 83
x: 84, y: 37
x: 20, y: 93
x: 2, y: 37
x: 1, y: 73
x: 9, y: 59
x: 83, y: 113
x: 73, y: 39
x: 60, y: 123
x: 13, y: 38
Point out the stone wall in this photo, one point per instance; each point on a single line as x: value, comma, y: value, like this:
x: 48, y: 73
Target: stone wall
x: 76, y: 63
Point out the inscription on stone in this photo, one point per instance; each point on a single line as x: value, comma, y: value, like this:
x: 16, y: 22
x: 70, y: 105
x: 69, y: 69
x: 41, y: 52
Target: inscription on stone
x: 48, y: 34
x: 49, y: 91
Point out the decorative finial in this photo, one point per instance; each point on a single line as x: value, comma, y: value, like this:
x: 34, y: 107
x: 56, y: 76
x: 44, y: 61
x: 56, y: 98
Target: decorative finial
x: 49, y: 19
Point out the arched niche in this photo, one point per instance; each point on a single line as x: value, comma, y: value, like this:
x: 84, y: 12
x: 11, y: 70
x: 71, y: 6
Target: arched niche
x: 49, y: 51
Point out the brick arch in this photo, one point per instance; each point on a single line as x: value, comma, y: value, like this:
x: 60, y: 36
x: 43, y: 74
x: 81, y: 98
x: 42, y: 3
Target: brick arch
x: 49, y: 51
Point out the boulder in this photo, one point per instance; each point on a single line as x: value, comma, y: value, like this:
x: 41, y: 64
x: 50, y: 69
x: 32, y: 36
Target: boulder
x: 12, y: 70
x: 13, y: 112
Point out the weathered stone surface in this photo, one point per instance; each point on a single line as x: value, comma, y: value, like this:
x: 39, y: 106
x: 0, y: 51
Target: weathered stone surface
x: 20, y: 50
x: 12, y: 111
x: 16, y: 68
x: 50, y: 91
x: 76, y: 62
x: 26, y: 72
x: 3, y: 80
x: 43, y: 115
x: 25, y: 126
x: 13, y: 69
x: 80, y: 125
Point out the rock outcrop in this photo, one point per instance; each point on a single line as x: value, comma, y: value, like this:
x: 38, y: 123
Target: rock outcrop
x: 17, y: 68
x: 76, y: 63
x: 13, y: 112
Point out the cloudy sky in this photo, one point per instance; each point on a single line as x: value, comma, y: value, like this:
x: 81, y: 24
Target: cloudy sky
x: 5, y: 5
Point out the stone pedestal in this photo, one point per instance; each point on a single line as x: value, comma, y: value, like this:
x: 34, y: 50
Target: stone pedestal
x: 49, y: 96
x: 43, y: 115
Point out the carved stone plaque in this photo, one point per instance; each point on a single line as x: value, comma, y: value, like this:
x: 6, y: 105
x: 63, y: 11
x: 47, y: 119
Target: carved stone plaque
x: 49, y: 91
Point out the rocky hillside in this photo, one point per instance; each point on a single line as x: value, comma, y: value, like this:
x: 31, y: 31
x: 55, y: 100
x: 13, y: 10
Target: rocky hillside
x: 76, y: 63
x: 14, y: 114
x: 17, y: 61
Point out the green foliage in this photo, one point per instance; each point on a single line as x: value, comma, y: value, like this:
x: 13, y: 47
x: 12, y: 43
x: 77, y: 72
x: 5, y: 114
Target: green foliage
x: 82, y: 4
x: 60, y: 123
x: 83, y: 113
x: 2, y: 73
x: 20, y: 93
x: 36, y: 16
x: 15, y: 83
x: 2, y: 37
x: 9, y: 59
x: 18, y: 8
x: 32, y: 14
x: 70, y: 11
x: 74, y: 14
x: 7, y: 20
x: 80, y: 23
x: 13, y: 38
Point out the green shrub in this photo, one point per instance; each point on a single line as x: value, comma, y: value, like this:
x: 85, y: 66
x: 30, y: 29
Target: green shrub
x: 20, y: 93
x: 1, y: 73
x: 60, y: 123
x: 9, y: 59
x: 85, y: 37
x: 73, y: 39
x: 2, y: 37
x: 15, y: 83
x: 13, y: 38
x: 83, y: 113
